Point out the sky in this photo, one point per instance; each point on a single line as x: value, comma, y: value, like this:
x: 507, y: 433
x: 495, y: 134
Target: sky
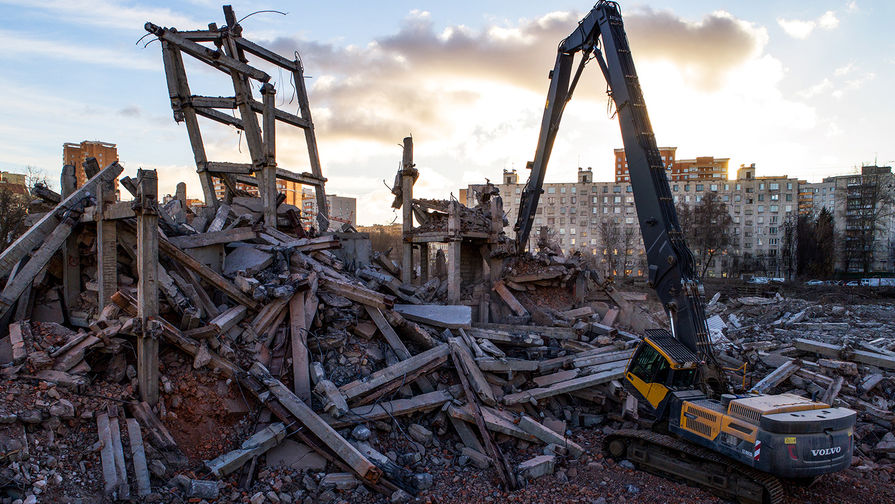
x: 800, y: 88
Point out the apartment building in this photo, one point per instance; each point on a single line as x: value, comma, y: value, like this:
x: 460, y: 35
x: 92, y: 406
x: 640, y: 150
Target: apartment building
x: 863, y: 209
x: 341, y: 209
x: 292, y: 190
x: 578, y: 212
x: 76, y: 154
x: 699, y: 168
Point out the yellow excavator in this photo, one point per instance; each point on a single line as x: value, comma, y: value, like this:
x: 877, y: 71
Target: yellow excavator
x: 738, y: 446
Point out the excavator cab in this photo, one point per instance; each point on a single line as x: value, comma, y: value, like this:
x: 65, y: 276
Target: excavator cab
x: 660, y: 364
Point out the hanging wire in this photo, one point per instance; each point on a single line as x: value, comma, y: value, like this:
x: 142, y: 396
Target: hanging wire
x: 262, y: 11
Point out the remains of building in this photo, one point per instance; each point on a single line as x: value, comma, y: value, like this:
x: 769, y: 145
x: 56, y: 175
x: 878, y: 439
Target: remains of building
x: 160, y: 353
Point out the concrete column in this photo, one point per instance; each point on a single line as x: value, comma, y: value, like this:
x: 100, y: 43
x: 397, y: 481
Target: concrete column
x: 71, y: 267
x: 147, y: 285
x: 424, y: 263
x: 267, y: 185
x: 106, y: 246
x: 453, y: 294
x: 407, y: 173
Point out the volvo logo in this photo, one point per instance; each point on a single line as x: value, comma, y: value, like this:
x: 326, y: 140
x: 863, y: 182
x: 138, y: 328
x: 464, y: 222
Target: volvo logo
x: 826, y: 451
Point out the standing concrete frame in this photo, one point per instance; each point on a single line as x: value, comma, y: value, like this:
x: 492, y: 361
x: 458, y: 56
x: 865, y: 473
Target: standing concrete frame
x: 71, y: 270
x: 229, y: 55
x: 408, y: 177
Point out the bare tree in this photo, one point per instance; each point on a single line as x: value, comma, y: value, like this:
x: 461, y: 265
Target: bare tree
x: 707, y: 228
x: 13, y: 209
x: 870, y: 202
x: 610, y: 238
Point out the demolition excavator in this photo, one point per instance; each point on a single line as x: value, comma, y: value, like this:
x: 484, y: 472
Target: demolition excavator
x: 738, y: 446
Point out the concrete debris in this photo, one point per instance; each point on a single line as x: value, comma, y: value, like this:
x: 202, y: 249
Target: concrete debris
x: 289, y: 362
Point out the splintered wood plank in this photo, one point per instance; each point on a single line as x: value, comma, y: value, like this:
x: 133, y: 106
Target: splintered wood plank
x: 347, y: 452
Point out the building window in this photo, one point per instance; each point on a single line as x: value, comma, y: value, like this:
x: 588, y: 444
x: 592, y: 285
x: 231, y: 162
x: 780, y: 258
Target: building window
x: 551, y: 190
x: 774, y: 186
x: 562, y: 190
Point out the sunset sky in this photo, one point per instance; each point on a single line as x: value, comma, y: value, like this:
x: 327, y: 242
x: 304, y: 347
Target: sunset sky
x: 801, y: 88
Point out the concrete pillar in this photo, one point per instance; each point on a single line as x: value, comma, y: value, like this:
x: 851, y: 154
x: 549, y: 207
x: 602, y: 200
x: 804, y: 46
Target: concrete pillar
x: 180, y: 193
x: 267, y: 185
x: 453, y: 294
x: 147, y: 285
x: 71, y: 267
x: 407, y: 175
x: 424, y: 263
x: 106, y: 246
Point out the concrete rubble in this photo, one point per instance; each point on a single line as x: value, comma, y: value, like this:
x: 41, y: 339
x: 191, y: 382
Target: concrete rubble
x: 225, y: 353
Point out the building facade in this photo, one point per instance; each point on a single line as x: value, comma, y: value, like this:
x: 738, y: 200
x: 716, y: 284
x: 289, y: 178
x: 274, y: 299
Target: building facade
x: 341, y: 209
x: 583, y: 213
x: 76, y: 154
x: 292, y: 190
x: 863, y: 209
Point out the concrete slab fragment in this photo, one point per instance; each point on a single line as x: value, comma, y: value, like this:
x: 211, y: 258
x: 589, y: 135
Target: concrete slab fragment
x: 448, y: 316
x: 248, y: 259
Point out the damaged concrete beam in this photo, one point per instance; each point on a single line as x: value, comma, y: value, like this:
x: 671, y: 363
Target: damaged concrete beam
x: 257, y: 444
x: 572, y: 385
x: 386, y: 380
x: 388, y: 409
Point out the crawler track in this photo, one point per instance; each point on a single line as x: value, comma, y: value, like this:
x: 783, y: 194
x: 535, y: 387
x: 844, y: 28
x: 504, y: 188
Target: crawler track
x: 675, y: 459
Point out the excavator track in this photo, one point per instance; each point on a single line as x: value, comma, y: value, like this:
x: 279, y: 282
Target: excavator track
x: 676, y: 459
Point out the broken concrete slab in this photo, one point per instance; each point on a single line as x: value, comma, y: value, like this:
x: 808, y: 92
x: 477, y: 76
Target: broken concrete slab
x: 248, y: 259
x: 295, y: 455
x: 536, y: 467
x: 447, y: 316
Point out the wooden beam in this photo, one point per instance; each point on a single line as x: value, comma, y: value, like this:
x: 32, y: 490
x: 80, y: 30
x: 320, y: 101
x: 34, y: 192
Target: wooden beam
x: 348, y: 453
x: 500, y: 462
x: 147, y: 285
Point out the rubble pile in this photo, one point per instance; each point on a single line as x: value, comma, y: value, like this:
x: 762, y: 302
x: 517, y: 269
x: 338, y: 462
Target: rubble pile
x: 287, y: 374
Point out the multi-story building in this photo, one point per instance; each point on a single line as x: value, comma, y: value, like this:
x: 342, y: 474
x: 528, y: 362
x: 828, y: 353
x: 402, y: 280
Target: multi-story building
x: 291, y: 189
x: 76, y: 154
x: 699, y: 168
x: 341, y: 209
x: 581, y: 212
x: 863, y: 209
x: 15, y: 183
x: 621, y: 163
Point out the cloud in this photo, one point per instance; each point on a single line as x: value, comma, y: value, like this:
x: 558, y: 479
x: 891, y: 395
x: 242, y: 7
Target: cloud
x: 108, y: 13
x: 802, y: 29
x: 413, y: 79
x: 26, y: 44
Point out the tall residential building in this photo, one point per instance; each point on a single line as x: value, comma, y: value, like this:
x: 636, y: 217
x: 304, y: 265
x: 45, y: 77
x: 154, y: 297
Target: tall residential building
x: 579, y: 212
x: 863, y: 209
x: 76, y: 154
x: 621, y: 163
x: 341, y: 209
x: 292, y: 190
